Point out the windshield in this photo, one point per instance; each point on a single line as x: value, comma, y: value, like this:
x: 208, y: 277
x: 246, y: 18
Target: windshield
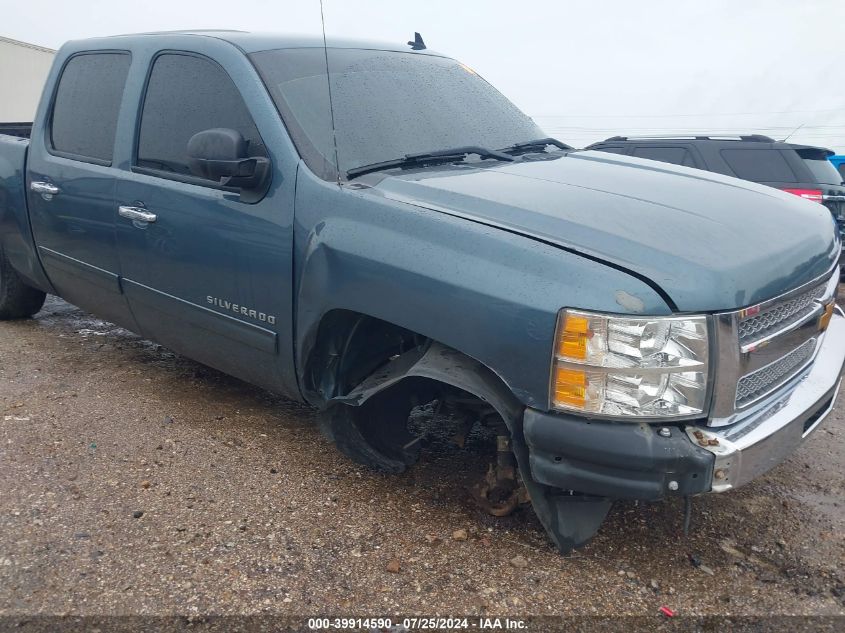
x: 386, y: 104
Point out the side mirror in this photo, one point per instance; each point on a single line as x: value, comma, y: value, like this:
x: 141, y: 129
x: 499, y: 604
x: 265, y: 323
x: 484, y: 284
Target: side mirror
x: 220, y: 154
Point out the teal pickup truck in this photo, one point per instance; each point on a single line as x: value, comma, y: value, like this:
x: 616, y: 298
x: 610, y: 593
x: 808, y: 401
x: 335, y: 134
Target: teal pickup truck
x: 371, y: 228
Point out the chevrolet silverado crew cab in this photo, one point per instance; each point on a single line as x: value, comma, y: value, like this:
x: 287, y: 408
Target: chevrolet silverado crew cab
x: 376, y: 231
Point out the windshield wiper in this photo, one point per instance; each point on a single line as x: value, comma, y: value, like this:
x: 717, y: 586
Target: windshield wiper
x: 532, y: 146
x: 426, y: 158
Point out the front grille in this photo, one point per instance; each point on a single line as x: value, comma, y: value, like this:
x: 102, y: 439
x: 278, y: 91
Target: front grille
x: 762, y: 354
x: 760, y: 382
x: 779, y: 316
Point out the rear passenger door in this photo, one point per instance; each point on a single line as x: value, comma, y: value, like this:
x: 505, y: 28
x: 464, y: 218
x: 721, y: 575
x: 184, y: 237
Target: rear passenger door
x: 71, y: 183
x: 209, y: 273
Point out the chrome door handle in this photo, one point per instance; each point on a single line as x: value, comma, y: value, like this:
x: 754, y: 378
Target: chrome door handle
x: 44, y: 188
x: 136, y: 213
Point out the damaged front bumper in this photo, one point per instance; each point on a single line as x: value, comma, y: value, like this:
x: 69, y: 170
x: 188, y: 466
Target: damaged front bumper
x: 623, y: 460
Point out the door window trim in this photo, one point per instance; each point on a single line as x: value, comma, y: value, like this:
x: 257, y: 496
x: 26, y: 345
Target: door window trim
x: 48, y: 128
x: 139, y: 113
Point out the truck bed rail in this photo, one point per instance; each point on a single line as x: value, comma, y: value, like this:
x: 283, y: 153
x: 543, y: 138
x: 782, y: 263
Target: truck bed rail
x: 22, y: 130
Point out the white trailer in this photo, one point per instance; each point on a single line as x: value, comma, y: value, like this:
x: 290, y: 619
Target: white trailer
x: 23, y: 71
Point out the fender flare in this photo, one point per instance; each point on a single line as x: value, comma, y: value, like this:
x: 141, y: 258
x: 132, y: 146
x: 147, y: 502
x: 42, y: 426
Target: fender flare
x: 570, y: 520
x: 443, y: 364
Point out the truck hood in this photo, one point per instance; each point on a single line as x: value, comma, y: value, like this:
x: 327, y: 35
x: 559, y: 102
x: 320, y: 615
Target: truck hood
x: 708, y: 241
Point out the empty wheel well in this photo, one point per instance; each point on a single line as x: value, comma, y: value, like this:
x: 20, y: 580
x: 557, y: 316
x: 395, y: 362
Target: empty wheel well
x: 349, y: 347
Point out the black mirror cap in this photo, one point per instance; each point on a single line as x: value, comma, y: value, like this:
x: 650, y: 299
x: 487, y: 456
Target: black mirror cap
x: 219, y: 143
x: 215, y: 153
x: 221, y: 155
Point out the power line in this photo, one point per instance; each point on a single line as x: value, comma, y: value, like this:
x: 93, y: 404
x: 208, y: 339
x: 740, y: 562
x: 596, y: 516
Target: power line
x: 638, y: 116
x: 707, y: 129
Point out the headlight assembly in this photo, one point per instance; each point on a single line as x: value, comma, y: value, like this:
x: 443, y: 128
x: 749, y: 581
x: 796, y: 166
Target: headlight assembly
x: 630, y: 366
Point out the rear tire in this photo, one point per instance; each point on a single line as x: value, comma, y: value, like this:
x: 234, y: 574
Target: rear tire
x: 17, y: 300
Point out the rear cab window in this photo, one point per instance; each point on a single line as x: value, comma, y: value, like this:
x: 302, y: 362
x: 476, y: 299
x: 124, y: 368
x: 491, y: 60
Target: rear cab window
x: 759, y: 165
x: 187, y: 94
x: 86, y: 105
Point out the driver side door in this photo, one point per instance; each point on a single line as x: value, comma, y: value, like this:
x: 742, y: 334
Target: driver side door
x: 196, y: 258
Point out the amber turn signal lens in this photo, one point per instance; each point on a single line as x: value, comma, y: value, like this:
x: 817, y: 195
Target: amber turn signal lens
x: 570, y: 387
x: 573, y: 338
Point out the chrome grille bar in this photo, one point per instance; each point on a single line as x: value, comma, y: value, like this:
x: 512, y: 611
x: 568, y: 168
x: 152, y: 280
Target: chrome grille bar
x: 758, y: 327
x: 758, y: 383
x: 763, y: 350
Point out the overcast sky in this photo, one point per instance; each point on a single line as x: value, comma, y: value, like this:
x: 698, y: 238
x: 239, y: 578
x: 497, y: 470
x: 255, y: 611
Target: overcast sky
x: 584, y: 70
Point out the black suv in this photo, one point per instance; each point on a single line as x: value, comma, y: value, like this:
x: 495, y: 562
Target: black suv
x: 799, y: 169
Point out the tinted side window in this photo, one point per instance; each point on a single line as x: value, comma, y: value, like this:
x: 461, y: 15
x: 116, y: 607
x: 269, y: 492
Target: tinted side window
x: 186, y: 95
x: 612, y: 149
x: 759, y: 165
x: 674, y: 155
x: 87, y: 104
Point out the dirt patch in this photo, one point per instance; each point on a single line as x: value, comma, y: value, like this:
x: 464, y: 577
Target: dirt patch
x: 136, y: 481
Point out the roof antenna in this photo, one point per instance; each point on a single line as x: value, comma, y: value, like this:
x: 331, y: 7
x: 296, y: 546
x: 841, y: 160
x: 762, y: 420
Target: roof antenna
x: 791, y: 133
x: 331, y: 104
x: 417, y: 44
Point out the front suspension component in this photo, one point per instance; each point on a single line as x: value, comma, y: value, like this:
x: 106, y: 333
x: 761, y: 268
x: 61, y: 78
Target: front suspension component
x: 500, y: 493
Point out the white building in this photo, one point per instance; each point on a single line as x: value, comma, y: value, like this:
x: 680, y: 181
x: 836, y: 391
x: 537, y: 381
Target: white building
x: 23, y: 71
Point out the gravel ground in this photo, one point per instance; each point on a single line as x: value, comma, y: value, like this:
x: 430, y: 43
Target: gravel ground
x: 134, y: 481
